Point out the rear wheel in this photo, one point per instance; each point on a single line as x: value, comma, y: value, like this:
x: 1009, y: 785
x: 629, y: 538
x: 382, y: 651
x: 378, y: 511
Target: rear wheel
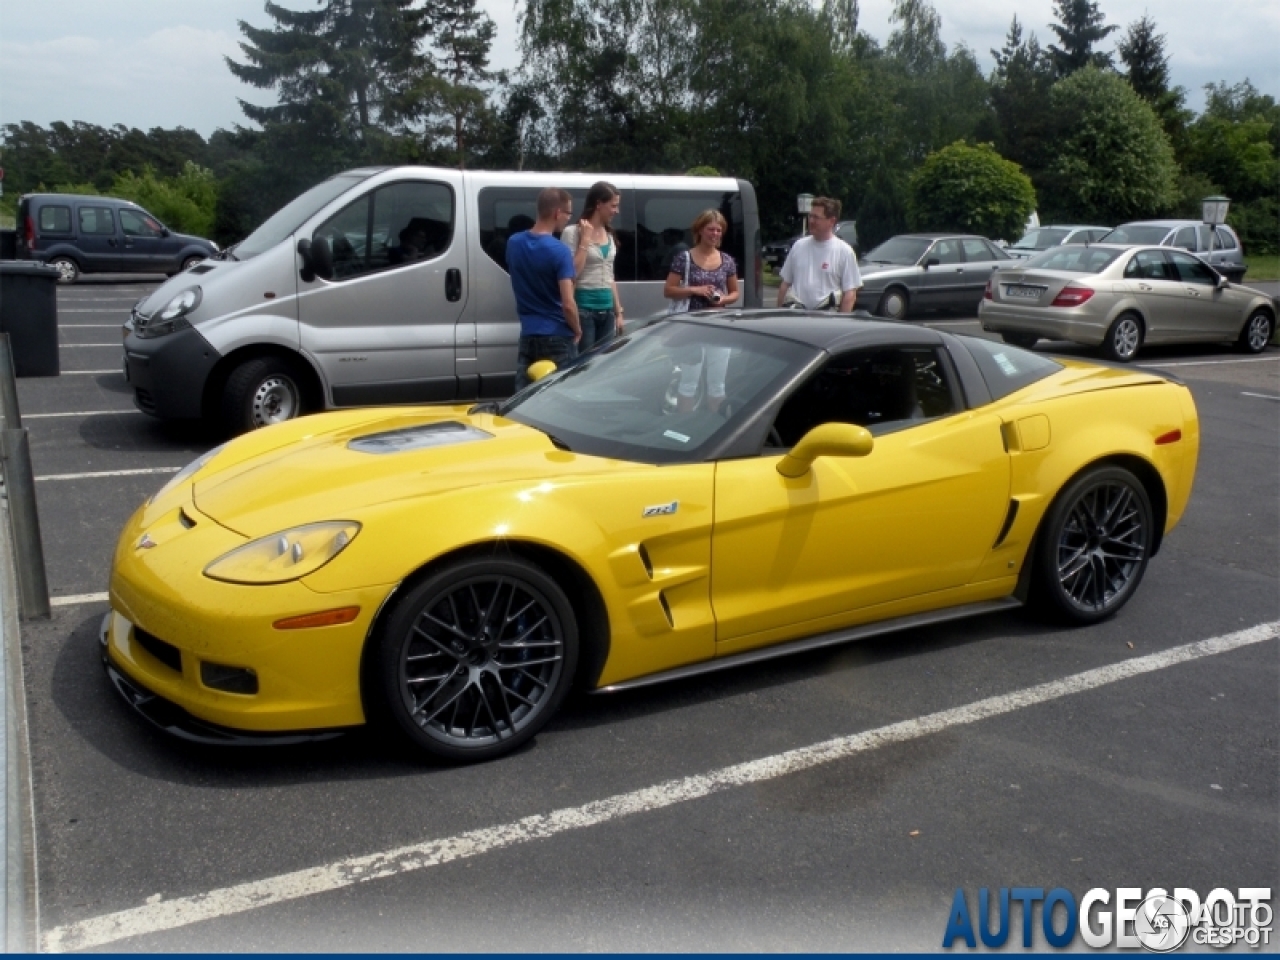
x: 1256, y: 333
x: 261, y: 392
x: 1124, y: 338
x: 68, y: 269
x: 894, y: 303
x: 1024, y: 340
x: 1093, y: 548
x: 474, y: 661
x: 190, y: 262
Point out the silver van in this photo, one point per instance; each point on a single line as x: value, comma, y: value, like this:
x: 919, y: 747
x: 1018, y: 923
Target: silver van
x: 389, y: 285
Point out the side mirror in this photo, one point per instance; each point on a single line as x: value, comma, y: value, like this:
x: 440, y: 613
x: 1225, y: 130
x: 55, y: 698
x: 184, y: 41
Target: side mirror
x: 164, y: 232
x: 540, y: 369
x: 317, y: 259
x: 931, y: 262
x: 1222, y: 282
x: 826, y: 440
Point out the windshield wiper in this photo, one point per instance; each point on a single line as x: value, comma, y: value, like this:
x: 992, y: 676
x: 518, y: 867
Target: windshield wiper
x: 556, y: 441
x: 485, y: 406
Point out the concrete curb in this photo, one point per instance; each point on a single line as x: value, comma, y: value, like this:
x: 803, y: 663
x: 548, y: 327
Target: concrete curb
x: 21, y: 924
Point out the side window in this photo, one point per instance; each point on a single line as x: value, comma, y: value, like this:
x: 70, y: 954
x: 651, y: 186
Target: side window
x: 663, y: 220
x: 975, y: 251
x: 97, y: 221
x: 947, y: 251
x: 1149, y: 265
x: 1191, y: 270
x: 506, y: 211
x: 1094, y: 236
x: 883, y: 389
x: 397, y: 224
x: 1185, y: 238
x: 135, y: 224
x: 55, y: 219
x: 1222, y: 239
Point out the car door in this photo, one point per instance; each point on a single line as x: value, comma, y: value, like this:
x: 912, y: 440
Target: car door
x: 942, y: 284
x: 382, y: 329
x: 1153, y: 280
x: 97, y: 238
x: 791, y: 557
x: 1210, y: 311
x: 142, y: 244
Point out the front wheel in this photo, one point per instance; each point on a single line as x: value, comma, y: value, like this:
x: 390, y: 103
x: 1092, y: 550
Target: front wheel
x: 1093, y: 548
x: 1256, y: 333
x: 261, y: 392
x: 894, y: 303
x: 190, y: 262
x: 1123, y: 339
x: 474, y: 661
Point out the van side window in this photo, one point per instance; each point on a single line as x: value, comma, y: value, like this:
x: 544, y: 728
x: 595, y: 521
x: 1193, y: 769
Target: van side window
x: 662, y: 227
x: 135, y: 224
x: 97, y: 221
x: 394, y: 225
x: 55, y: 219
x: 505, y: 211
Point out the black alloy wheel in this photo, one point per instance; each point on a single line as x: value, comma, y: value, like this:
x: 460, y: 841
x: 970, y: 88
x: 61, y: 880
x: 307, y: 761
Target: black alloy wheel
x: 475, y: 660
x: 1094, y: 546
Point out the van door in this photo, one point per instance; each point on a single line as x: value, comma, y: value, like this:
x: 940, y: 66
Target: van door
x: 97, y: 238
x: 142, y: 248
x: 382, y: 329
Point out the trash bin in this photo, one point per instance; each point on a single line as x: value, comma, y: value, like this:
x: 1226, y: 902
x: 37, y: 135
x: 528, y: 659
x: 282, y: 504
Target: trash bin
x: 29, y: 314
x: 8, y: 244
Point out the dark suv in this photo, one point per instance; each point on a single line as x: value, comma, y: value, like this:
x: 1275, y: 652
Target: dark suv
x: 85, y: 234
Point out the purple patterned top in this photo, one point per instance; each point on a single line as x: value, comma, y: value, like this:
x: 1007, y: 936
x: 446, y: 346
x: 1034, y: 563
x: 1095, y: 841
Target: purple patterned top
x: 718, y: 278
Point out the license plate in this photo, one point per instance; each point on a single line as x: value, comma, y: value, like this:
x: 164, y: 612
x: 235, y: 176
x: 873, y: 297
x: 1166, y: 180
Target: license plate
x: 1022, y: 293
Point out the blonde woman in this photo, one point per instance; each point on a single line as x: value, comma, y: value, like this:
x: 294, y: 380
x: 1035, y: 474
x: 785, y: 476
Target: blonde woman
x: 705, y: 276
x: 595, y: 248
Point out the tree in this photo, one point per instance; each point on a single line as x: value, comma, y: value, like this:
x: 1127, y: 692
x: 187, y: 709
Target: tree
x: 971, y: 189
x: 1142, y: 50
x: 1112, y: 160
x: 1020, y: 85
x: 1081, y: 27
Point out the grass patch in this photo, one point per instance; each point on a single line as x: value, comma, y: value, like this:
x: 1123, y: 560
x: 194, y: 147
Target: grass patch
x: 771, y: 279
x: 1262, y: 268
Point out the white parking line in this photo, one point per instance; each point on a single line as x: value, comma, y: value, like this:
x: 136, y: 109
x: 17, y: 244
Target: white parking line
x: 67, y: 345
x: 227, y: 901
x: 77, y: 413
x: 104, y: 310
x: 89, y: 373
x: 90, y: 326
x: 1260, y: 396
x: 108, y: 473
x: 1210, y: 363
x: 78, y: 599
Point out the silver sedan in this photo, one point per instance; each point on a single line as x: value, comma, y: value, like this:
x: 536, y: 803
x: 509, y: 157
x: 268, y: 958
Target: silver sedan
x: 1119, y: 298
x: 927, y: 271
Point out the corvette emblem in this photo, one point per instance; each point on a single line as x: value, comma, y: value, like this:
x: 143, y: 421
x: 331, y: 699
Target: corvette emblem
x: 661, y: 510
x: 146, y: 543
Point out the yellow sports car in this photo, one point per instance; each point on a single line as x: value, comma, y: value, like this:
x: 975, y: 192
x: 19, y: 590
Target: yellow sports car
x: 708, y: 490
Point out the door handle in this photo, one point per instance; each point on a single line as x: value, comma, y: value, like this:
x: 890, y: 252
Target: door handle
x: 1144, y: 286
x: 453, y: 284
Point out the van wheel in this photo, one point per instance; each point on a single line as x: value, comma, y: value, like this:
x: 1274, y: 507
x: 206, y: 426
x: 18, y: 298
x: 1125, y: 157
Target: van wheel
x: 190, y: 262
x: 68, y: 269
x: 261, y: 392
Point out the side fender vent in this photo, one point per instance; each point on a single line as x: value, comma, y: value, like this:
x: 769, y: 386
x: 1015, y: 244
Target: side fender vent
x: 1009, y: 517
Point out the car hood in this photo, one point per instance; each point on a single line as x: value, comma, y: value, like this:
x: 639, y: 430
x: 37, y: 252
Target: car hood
x: 334, y: 466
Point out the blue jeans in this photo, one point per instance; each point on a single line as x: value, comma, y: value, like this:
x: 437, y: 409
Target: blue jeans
x: 598, y: 326
x: 559, y: 350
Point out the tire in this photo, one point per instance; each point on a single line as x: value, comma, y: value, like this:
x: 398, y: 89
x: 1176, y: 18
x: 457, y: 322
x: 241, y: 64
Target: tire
x: 475, y: 660
x: 261, y: 392
x: 1256, y: 332
x: 1024, y: 340
x: 1093, y: 547
x: 894, y: 304
x: 68, y: 269
x: 190, y: 262
x: 1124, y: 338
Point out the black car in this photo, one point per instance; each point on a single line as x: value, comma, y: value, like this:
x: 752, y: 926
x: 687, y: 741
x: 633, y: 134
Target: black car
x: 775, y: 253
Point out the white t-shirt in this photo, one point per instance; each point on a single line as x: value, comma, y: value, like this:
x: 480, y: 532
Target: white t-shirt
x: 817, y: 270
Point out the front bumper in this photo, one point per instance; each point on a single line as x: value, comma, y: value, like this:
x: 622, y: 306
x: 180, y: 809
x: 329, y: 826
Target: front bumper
x: 1052, y: 323
x: 168, y: 374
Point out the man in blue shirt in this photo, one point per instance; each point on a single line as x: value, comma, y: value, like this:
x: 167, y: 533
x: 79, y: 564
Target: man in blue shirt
x: 541, y: 269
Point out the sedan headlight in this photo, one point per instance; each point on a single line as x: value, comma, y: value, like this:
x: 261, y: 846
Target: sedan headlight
x: 186, y: 473
x: 172, y: 317
x: 284, y: 556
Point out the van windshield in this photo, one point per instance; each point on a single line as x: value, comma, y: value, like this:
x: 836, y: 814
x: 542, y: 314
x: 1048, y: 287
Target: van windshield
x: 294, y: 214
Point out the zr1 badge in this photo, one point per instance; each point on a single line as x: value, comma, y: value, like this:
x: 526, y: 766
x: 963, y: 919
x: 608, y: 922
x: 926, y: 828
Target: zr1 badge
x: 661, y: 510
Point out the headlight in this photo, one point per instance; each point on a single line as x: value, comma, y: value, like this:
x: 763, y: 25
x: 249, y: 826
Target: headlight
x: 186, y: 472
x: 172, y: 317
x: 286, y: 555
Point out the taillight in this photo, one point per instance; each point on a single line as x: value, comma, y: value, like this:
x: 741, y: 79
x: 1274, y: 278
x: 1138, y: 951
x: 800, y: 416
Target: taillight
x: 1072, y: 296
x: 31, y: 234
x: 986, y: 294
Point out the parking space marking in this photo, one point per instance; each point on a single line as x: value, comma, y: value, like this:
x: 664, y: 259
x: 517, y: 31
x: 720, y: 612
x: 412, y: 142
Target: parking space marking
x: 88, y: 373
x: 95, y: 310
x: 77, y: 413
x: 78, y: 599
x: 154, y: 917
x: 1210, y: 363
x: 108, y: 473
x: 68, y: 345
x: 1260, y: 396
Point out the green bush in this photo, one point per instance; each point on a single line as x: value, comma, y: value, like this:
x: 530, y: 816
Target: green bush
x: 186, y: 203
x: 970, y: 189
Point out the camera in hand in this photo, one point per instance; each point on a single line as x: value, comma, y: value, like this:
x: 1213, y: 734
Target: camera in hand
x: 715, y: 296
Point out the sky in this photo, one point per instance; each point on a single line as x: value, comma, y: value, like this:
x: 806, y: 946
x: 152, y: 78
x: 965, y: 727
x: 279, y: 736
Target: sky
x: 159, y: 63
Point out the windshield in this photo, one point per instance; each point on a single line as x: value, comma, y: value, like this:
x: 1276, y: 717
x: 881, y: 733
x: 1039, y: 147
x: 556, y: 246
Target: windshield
x: 906, y: 251
x: 1135, y: 235
x: 294, y: 214
x: 1074, y: 257
x: 666, y: 394
x: 1041, y: 239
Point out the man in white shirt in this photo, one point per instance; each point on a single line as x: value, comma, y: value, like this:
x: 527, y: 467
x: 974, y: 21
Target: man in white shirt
x: 821, y: 269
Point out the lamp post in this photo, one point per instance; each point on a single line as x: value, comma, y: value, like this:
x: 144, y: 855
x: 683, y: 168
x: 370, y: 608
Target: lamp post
x: 1215, y: 210
x: 804, y: 203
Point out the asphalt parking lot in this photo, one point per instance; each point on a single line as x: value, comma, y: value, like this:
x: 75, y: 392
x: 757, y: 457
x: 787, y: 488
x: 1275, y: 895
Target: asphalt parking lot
x: 692, y: 816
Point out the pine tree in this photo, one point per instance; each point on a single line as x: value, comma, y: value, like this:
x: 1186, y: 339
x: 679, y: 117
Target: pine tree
x: 1142, y: 51
x: 463, y: 38
x: 1081, y: 27
x: 1020, y: 85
